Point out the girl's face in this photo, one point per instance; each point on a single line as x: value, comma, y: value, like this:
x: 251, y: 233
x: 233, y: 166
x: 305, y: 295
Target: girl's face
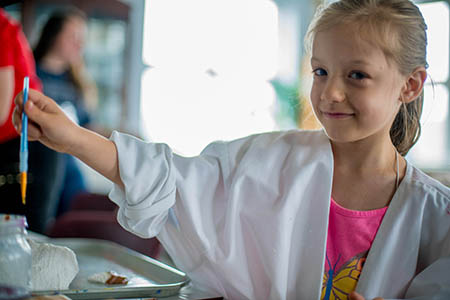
x: 70, y: 41
x: 356, y: 90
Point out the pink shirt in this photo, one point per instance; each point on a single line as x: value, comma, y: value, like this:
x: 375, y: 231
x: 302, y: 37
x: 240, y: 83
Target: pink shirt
x: 350, y: 236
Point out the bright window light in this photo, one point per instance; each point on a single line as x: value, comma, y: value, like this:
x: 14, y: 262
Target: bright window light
x: 435, y: 105
x: 211, y: 61
x: 432, y: 149
x: 232, y: 37
x: 434, y: 128
x: 429, y: 152
x: 436, y: 16
x: 189, y: 114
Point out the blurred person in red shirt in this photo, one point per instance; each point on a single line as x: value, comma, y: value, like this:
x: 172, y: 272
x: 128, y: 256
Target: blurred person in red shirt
x: 16, y: 62
x: 45, y: 167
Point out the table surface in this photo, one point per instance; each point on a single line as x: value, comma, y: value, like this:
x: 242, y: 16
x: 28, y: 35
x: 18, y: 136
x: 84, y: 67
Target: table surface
x: 188, y: 292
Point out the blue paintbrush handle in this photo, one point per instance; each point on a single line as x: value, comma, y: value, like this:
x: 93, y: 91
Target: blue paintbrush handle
x: 23, y: 161
x: 24, y: 137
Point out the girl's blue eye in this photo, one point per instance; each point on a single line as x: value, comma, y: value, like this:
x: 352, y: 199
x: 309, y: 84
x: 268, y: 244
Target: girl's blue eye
x: 357, y: 75
x: 319, y: 72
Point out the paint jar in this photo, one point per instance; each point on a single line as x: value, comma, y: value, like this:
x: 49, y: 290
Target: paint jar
x: 15, y: 257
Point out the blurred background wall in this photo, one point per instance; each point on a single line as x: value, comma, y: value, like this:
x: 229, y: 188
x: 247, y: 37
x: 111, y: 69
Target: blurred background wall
x: 187, y: 72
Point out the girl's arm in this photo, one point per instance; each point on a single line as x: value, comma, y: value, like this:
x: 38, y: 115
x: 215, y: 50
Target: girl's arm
x: 99, y: 153
x: 49, y: 125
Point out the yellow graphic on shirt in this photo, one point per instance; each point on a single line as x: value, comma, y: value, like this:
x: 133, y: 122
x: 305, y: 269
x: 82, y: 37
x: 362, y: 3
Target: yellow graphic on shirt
x: 337, y: 285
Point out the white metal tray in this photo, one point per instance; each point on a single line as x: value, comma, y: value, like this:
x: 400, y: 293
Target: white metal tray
x: 147, y: 277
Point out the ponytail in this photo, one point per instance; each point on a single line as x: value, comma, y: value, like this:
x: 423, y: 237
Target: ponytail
x: 406, y: 128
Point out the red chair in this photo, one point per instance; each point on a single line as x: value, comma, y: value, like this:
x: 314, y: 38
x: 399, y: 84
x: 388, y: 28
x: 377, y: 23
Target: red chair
x: 94, y: 216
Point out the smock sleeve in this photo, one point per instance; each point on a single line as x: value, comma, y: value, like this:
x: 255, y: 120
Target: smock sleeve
x: 154, y: 178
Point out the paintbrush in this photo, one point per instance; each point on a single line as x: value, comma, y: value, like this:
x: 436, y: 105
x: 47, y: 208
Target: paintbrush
x: 24, y: 144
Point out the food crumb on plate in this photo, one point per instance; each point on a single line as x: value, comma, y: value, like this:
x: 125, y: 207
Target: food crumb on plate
x: 109, y: 277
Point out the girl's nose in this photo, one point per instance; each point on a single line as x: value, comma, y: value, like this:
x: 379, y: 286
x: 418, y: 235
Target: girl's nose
x: 334, y: 90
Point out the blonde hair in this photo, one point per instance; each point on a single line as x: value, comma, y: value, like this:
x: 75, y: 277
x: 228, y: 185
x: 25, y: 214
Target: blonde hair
x: 86, y: 84
x: 398, y: 28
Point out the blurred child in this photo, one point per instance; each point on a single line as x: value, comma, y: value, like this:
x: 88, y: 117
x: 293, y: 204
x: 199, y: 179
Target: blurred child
x: 331, y: 214
x: 45, y: 165
x: 60, y: 66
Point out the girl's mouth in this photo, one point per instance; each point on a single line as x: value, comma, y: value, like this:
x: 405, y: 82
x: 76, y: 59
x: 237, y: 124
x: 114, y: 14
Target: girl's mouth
x: 337, y: 115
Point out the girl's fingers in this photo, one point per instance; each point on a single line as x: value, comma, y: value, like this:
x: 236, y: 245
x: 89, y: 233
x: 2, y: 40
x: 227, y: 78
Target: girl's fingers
x: 38, y: 99
x: 40, y: 109
x: 356, y: 296
x: 34, y: 132
x: 19, y: 99
x: 17, y: 119
x: 44, y: 103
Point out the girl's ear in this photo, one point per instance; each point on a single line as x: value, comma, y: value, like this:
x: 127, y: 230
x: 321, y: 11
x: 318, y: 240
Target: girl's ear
x: 413, y: 85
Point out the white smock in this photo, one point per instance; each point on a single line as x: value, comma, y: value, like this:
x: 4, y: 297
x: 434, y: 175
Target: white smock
x: 247, y: 219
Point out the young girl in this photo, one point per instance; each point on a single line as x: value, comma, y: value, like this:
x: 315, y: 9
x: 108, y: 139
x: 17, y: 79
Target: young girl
x: 296, y: 214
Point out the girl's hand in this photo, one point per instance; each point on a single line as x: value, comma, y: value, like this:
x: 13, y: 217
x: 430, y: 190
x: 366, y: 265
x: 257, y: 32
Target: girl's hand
x: 50, y: 125
x: 47, y: 122
x: 356, y: 296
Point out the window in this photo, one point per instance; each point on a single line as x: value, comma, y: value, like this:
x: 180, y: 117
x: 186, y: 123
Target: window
x: 432, y: 152
x: 209, y: 63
